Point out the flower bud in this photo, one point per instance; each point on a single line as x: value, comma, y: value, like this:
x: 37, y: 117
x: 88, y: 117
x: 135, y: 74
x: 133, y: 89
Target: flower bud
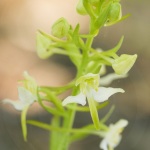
x: 42, y: 45
x: 115, y: 14
x: 80, y: 8
x: 60, y: 28
x: 124, y: 63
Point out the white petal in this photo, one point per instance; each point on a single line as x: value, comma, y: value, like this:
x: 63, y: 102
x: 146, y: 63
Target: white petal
x: 103, y: 144
x: 106, y: 80
x: 18, y: 105
x: 103, y: 93
x: 122, y: 123
x: 80, y: 99
x: 26, y: 96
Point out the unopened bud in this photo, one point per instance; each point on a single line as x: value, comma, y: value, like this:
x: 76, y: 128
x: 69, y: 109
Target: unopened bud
x: 60, y: 28
x: 115, y: 14
x: 124, y: 63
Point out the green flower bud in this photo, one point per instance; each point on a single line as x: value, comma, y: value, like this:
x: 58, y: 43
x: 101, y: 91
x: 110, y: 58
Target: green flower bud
x: 60, y: 28
x: 43, y: 43
x: 115, y: 14
x: 124, y: 63
x: 80, y: 8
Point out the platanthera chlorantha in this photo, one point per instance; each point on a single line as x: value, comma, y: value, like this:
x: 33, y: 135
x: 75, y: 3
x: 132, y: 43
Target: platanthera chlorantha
x: 90, y: 91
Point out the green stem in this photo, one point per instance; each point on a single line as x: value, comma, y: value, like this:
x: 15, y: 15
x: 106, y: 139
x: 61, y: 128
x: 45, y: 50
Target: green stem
x: 54, y: 135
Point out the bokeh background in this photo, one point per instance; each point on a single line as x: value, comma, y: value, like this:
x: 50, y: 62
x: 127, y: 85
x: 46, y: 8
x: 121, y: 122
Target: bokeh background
x: 19, y: 21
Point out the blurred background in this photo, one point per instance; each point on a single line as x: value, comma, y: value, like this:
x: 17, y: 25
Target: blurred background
x: 19, y: 21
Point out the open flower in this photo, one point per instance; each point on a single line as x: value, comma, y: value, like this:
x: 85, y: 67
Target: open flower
x: 90, y: 90
x: 27, y: 94
x: 112, y: 137
x: 26, y: 98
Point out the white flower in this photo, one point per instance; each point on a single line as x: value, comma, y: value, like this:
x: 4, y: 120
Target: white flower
x: 89, y: 89
x: 27, y: 93
x: 112, y: 137
x: 26, y: 98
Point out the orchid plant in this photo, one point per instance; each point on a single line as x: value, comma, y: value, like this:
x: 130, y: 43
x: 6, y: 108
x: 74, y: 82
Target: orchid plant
x: 90, y: 91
